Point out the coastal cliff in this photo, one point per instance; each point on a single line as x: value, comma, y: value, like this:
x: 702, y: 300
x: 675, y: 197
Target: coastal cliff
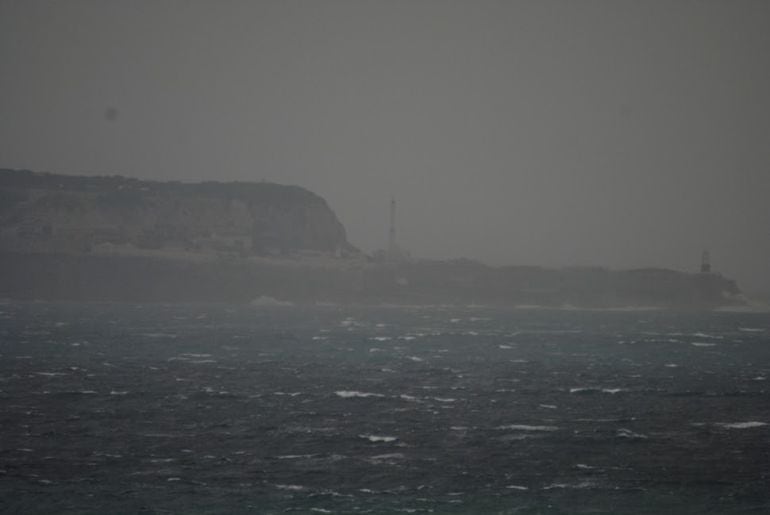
x: 120, y: 239
x: 49, y: 213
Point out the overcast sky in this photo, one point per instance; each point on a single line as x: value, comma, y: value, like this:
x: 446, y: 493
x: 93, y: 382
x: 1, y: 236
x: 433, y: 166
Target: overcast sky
x: 615, y: 133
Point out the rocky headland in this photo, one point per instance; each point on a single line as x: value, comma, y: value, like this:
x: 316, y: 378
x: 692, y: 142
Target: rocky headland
x: 114, y: 238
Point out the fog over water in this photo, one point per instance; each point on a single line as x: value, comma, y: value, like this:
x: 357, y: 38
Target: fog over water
x: 558, y: 133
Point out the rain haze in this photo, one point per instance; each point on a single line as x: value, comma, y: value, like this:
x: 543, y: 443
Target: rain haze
x: 613, y: 133
x: 424, y: 256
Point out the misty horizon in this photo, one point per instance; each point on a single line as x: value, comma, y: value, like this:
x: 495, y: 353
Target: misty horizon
x: 555, y: 134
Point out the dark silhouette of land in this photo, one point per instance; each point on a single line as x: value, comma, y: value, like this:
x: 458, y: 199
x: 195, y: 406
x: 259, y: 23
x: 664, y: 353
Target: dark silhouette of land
x: 116, y: 238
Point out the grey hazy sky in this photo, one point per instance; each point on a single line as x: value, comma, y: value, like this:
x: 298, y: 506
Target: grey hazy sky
x: 617, y: 133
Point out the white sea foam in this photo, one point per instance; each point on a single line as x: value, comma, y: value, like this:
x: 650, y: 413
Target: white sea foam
x: 517, y: 487
x: 548, y: 406
x: 751, y: 329
x: 627, y: 433
x: 702, y: 344
x: 577, y: 486
x: 592, y: 389
x: 379, y: 438
x: 444, y: 399
x: 349, y: 394
x: 504, y: 347
x: 381, y: 338
x: 741, y: 425
x: 525, y: 427
x: 706, y: 335
x: 415, y: 358
x: 292, y: 488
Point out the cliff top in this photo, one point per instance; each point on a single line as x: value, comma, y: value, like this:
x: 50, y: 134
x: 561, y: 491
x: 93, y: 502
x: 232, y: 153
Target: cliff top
x: 237, y: 190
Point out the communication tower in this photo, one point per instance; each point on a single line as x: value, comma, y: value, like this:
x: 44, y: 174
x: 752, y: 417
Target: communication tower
x: 392, y: 248
x: 705, y: 262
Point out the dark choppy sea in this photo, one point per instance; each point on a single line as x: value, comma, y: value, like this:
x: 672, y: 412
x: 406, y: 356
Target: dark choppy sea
x: 110, y: 408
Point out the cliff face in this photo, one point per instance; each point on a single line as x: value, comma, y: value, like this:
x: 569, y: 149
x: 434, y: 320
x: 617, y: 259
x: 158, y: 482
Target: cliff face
x: 47, y: 213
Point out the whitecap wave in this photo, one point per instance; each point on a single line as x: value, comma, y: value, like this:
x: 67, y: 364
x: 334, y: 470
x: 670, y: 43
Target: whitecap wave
x: 576, y: 486
x: 627, y: 433
x: 594, y: 389
x: 741, y: 425
x: 526, y: 427
x: 379, y: 438
x: 349, y: 394
x: 292, y: 488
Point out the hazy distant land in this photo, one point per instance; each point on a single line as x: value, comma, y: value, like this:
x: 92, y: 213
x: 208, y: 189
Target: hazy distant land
x: 115, y: 238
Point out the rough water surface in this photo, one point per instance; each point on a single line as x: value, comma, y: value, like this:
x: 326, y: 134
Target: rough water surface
x: 221, y: 409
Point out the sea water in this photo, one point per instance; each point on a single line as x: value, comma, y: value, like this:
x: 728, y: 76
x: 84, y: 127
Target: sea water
x: 129, y: 408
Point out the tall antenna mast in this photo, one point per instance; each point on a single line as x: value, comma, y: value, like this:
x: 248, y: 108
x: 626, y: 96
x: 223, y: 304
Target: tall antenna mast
x: 392, y: 234
x: 705, y: 262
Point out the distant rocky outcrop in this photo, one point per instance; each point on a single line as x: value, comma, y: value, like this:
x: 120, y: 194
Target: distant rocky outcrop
x: 50, y: 213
